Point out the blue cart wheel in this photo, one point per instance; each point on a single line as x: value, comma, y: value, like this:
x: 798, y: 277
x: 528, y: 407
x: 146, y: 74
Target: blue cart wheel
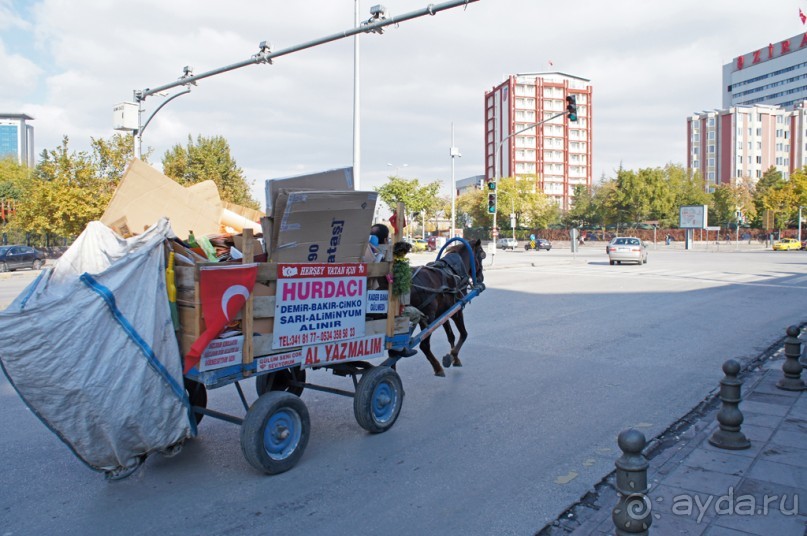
x: 275, y: 432
x: 378, y: 399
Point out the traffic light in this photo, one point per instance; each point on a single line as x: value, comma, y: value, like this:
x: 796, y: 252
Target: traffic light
x: 492, y: 185
x: 571, y: 107
x: 491, y: 203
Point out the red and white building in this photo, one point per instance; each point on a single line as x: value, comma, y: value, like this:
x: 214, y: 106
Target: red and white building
x: 762, y: 123
x: 557, y: 154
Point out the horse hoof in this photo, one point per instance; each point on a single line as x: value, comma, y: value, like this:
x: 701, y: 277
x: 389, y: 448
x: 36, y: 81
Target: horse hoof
x: 447, y: 359
x: 440, y: 373
x: 457, y: 363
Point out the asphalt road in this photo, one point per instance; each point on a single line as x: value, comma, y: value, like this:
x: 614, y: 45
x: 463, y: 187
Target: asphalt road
x: 564, y: 352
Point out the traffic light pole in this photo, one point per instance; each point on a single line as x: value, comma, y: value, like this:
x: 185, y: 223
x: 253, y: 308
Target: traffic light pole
x: 496, y: 173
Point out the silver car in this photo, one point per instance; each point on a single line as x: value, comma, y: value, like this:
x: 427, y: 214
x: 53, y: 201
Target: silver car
x: 627, y: 249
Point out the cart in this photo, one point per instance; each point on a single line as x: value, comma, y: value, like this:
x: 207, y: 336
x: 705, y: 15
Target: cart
x: 276, y: 427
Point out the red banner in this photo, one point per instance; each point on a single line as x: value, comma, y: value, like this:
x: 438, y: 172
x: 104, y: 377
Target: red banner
x: 224, y: 291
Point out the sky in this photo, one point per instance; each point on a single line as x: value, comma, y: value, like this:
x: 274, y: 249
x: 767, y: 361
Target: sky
x: 67, y: 63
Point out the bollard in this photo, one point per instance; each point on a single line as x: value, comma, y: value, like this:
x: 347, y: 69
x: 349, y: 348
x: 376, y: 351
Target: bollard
x: 791, y: 367
x: 631, y: 515
x: 730, y: 417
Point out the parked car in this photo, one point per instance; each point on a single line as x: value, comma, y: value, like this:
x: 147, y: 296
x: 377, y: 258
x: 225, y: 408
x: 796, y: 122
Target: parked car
x: 507, y: 243
x: 14, y: 257
x: 786, y: 244
x: 538, y: 244
x: 627, y: 249
x: 418, y: 244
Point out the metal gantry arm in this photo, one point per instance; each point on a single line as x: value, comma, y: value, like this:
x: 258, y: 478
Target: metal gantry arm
x: 375, y: 24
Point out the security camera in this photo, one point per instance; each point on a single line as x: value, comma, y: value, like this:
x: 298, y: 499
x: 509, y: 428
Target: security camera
x: 187, y: 71
x: 378, y: 11
x: 265, y: 46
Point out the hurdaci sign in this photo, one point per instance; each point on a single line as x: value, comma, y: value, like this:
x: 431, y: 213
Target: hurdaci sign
x: 319, y: 303
x: 771, y: 51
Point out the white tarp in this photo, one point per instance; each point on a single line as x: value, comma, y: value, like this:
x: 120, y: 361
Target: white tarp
x: 90, y: 348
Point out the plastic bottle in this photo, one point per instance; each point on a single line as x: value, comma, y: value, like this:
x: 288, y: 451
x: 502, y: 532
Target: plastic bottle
x: 192, y: 240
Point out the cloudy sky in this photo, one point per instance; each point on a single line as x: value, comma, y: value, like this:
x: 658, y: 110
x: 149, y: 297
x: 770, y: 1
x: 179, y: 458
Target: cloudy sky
x: 68, y: 62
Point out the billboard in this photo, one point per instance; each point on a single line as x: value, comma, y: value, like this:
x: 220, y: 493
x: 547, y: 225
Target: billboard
x: 693, y: 217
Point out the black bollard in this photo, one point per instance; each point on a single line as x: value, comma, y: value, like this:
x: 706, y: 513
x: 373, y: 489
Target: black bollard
x: 730, y: 417
x: 631, y: 515
x: 791, y: 367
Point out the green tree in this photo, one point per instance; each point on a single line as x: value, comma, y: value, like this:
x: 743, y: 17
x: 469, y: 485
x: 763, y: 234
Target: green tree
x: 13, y: 178
x: 63, y: 195
x: 209, y: 159
x: 416, y: 198
x: 110, y: 157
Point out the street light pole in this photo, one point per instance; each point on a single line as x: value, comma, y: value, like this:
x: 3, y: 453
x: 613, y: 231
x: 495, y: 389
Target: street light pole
x: 800, y: 224
x: 455, y: 152
x: 356, y: 110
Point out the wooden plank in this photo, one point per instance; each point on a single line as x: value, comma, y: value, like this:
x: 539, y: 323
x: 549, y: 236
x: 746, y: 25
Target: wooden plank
x: 394, y: 305
x: 246, y: 322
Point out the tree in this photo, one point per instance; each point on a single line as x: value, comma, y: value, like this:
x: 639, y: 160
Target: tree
x: 64, y: 193
x: 209, y: 159
x: 416, y: 198
x: 110, y: 157
x: 13, y: 177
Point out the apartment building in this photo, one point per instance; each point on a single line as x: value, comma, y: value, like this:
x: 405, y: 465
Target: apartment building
x: 556, y: 155
x: 17, y: 138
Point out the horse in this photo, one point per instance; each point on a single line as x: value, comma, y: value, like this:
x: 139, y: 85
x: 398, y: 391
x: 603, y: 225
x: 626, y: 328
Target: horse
x: 436, y: 287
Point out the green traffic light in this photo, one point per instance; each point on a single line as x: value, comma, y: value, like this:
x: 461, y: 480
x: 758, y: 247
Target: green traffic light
x: 491, y: 185
x: 491, y: 210
x: 572, y: 116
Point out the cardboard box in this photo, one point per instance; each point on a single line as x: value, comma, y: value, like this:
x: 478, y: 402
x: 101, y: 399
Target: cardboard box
x: 326, y: 226
x: 333, y: 179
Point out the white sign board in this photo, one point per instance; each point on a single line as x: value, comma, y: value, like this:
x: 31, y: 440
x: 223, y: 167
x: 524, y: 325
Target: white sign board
x: 343, y: 351
x: 377, y: 301
x: 279, y: 361
x: 319, y: 303
x: 693, y: 217
x: 222, y: 353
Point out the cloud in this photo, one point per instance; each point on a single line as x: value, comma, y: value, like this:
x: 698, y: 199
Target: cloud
x: 651, y: 65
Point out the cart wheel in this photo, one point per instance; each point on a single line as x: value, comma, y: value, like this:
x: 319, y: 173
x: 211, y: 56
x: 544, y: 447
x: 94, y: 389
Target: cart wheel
x: 280, y: 381
x: 275, y: 432
x: 197, y: 394
x: 378, y: 399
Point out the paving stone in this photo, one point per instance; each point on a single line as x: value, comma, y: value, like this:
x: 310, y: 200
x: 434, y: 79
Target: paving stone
x: 698, y: 480
x: 672, y: 524
x: 760, y: 419
x: 779, y: 473
x: 763, y: 407
x: 788, y: 438
x: 779, y: 399
x: 769, y: 388
x: 723, y: 531
x: 668, y: 500
x: 752, y: 452
x: 788, y: 455
x: 778, y: 496
x: 794, y: 423
x: 772, y: 523
x: 757, y: 434
x: 722, y: 462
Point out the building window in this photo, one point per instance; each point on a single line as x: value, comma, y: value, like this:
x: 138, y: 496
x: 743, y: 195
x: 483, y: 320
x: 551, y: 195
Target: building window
x: 711, y: 162
x: 759, y: 160
x: 711, y: 121
x: 711, y: 134
x: 696, y: 137
x: 711, y: 149
x: 712, y: 176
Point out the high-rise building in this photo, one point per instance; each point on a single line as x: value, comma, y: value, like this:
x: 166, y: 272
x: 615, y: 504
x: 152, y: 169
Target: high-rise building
x: 557, y: 154
x: 743, y: 142
x: 774, y: 74
x: 17, y: 138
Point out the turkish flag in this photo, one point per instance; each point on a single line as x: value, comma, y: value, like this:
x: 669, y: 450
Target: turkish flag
x: 802, y: 16
x: 224, y: 291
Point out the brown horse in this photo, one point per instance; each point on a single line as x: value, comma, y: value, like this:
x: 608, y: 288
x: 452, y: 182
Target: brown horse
x: 438, y: 286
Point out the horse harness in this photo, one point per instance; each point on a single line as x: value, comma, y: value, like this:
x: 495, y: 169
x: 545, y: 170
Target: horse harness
x: 453, y: 276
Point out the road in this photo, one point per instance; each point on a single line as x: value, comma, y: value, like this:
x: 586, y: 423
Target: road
x: 564, y: 352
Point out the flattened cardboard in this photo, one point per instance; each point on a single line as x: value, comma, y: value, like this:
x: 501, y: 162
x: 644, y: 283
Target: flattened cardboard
x: 332, y: 179
x: 325, y: 226
x: 144, y: 195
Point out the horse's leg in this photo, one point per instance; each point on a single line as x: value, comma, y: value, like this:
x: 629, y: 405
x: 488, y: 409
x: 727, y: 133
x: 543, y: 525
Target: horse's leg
x: 425, y: 345
x: 448, y: 358
x: 459, y: 321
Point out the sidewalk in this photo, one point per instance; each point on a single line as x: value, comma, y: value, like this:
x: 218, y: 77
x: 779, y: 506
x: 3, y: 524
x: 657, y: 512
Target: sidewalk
x: 698, y: 489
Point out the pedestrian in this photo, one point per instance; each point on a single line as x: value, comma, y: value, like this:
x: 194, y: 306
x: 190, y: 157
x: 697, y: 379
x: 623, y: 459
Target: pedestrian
x: 667, y: 239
